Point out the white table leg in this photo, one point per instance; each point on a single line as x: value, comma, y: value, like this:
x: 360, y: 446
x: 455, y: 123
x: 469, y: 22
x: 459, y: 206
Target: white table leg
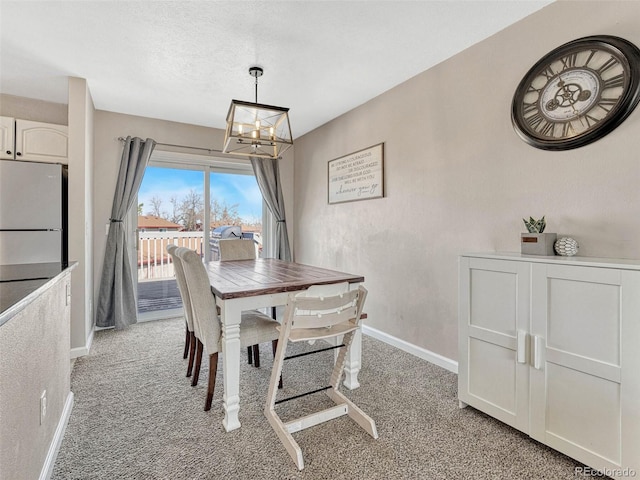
x: 231, y: 316
x: 354, y: 358
x: 354, y: 362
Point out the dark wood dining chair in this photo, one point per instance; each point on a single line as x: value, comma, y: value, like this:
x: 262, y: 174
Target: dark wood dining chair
x: 190, y: 341
x: 255, y: 326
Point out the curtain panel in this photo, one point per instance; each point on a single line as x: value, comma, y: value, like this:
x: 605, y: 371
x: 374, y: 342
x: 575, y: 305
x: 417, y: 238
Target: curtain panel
x: 116, y: 306
x: 267, y: 175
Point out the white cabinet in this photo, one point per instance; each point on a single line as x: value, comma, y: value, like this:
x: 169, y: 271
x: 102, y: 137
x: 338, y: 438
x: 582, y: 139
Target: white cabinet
x: 34, y: 141
x: 7, y: 137
x: 551, y: 346
x: 493, y: 373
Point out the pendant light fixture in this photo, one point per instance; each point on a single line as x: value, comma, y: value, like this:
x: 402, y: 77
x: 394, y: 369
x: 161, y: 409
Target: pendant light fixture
x: 258, y: 130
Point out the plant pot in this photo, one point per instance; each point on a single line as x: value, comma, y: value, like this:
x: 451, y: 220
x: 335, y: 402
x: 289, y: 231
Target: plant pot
x: 537, y: 243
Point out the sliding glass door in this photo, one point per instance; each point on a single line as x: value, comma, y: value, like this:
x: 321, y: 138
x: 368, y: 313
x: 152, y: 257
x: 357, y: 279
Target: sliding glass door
x: 188, y: 203
x: 235, y: 201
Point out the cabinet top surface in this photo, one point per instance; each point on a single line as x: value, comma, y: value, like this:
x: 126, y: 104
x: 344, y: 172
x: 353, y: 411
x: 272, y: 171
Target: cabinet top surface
x: 619, y: 263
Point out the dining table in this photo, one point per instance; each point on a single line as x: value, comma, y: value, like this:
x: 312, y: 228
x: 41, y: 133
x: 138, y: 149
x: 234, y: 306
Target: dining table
x: 241, y: 285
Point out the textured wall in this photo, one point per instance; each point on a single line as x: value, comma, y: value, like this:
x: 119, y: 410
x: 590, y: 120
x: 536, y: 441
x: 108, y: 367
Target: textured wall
x: 458, y: 179
x: 81, y: 163
x: 35, y: 357
x: 34, y: 110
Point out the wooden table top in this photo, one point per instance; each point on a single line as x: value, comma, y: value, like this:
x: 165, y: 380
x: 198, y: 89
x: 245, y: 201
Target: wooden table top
x: 247, y: 278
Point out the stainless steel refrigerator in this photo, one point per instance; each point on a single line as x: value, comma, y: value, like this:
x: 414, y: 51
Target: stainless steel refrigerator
x: 33, y: 212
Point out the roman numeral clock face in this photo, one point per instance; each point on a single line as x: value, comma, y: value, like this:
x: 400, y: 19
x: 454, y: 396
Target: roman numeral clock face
x: 577, y: 93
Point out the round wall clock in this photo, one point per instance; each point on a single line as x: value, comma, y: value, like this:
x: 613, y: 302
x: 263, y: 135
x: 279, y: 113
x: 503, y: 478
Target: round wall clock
x: 577, y: 93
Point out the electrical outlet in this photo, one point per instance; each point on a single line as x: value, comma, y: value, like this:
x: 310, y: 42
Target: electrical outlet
x: 43, y: 406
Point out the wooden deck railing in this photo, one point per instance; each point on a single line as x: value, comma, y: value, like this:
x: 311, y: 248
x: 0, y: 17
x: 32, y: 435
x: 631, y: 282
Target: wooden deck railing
x: 153, y: 260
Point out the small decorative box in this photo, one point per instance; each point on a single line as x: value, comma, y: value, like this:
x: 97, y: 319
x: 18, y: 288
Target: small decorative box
x: 538, y: 243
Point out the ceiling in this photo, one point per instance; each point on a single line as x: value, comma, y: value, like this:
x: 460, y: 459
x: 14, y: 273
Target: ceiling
x: 185, y: 60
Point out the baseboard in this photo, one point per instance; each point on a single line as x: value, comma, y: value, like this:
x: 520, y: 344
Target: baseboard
x: 56, y: 441
x: 419, y: 352
x: 84, y: 350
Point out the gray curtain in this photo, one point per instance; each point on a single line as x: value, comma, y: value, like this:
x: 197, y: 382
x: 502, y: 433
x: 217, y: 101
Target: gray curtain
x: 116, y: 298
x: 268, y: 176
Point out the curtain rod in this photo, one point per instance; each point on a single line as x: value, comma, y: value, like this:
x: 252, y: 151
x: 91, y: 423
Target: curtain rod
x: 181, y: 146
x: 210, y: 150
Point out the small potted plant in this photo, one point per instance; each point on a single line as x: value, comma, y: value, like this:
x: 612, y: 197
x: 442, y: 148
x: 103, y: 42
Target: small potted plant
x: 536, y: 241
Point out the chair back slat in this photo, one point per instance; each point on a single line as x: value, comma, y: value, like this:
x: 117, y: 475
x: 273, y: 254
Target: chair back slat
x: 322, y: 312
x: 333, y: 302
x: 325, y: 320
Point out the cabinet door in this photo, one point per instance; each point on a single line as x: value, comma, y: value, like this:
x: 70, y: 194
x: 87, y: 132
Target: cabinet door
x: 579, y: 404
x: 42, y: 142
x: 7, y: 137
x: 493, y: 373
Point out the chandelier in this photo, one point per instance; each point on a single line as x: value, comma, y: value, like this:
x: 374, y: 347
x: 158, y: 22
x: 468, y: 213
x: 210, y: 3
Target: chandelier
x: 257, y: 130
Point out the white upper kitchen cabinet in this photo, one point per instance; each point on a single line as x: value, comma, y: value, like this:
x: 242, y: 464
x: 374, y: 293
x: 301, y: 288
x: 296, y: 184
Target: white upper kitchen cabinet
x: 33, y: 141
x: 41, y: 142
x: 7, y: 137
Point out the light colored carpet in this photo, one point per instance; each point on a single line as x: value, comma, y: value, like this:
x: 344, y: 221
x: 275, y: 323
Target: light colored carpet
x: 137, y: 417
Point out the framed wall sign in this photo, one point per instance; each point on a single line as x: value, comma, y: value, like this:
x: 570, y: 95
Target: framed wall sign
x: 357, y: 176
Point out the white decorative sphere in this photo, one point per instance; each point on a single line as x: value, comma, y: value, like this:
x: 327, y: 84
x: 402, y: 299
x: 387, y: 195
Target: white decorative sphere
x: 566, y: 246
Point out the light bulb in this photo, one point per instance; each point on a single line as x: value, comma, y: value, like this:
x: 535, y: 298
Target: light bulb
x: 240, y: 129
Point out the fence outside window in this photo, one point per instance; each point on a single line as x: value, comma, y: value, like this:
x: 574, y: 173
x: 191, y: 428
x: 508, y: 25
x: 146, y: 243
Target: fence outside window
x: 153, y: 260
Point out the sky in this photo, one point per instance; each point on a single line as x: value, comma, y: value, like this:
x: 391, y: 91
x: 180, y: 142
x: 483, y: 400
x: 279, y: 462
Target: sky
x: 232, y: 188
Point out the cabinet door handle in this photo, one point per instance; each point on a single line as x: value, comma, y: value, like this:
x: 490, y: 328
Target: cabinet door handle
x: 19, y: 154
x: 521, y: 347
x: 8, y: 152
x: 537, y: 345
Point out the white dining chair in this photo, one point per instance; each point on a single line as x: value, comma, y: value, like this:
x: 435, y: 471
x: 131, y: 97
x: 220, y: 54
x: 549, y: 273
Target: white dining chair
x: 254, y: 327
x: 323, y: 312
x: 190, y: 341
